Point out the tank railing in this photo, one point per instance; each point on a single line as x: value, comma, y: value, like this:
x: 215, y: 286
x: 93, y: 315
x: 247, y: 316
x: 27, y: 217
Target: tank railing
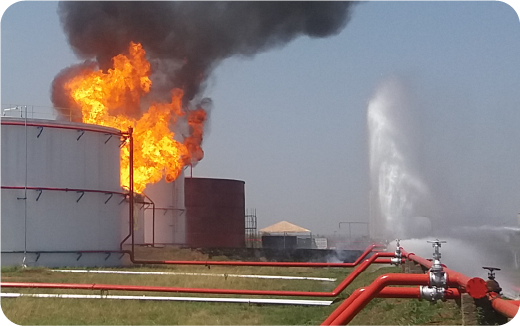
x: 40, y: 112
x: 71, y: 127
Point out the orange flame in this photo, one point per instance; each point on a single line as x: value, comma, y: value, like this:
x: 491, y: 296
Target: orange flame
x: 108, y: 99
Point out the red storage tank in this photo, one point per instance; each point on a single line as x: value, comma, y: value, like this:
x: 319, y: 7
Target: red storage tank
x: 215, y: 212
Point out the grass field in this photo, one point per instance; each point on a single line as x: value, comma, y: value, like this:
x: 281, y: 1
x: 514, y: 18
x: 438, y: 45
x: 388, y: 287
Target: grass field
x: 59, y: 311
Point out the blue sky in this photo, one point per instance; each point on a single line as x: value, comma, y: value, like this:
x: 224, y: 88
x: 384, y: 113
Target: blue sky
x: 291, y: 122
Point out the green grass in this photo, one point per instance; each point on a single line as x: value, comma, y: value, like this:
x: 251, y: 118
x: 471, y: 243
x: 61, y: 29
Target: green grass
x: 39, y: 311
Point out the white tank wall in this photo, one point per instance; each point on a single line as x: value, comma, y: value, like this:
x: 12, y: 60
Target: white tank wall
x: 58, y: 159
x: 170, y: 217
x: 57, y: 220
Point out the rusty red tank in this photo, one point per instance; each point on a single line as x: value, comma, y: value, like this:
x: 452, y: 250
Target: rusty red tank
x: 215, y: 213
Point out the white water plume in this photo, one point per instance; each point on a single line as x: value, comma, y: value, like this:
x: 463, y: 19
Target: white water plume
x: 396, y: 189
x: 400, y: 200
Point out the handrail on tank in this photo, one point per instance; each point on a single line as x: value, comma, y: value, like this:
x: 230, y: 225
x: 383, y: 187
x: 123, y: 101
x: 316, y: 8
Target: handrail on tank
x: 57, y: 126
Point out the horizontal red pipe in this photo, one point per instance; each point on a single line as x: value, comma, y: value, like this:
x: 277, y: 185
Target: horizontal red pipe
x: 387, y: 292
x: 421, y: 261
x: 58, y: 126
x: 65, y: 189
x: 114, y: 287
x: 334, y: 293
x: 367, y: 251
x: 515, y: 302
x: 505, y: 307
x: 254, y: 263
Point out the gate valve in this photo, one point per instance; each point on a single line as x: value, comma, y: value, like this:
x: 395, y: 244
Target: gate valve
x: 436, y: 244
x: 432, y: 294
x: 492, y: 284
x: 397, y: 259
x: 437, y: 274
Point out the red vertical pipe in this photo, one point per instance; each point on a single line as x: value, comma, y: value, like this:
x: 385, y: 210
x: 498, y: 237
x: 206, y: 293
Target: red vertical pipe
x: 130, y: 213
x: 131, y: 185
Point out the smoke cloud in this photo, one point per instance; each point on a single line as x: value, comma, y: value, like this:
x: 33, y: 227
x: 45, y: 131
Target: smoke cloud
x: 185, y: 41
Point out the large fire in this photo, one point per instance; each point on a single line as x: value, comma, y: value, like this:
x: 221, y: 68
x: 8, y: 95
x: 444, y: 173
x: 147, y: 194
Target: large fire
x: 107, y: 99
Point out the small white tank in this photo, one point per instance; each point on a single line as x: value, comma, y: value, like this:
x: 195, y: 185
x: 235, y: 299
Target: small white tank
x: 167, y: 224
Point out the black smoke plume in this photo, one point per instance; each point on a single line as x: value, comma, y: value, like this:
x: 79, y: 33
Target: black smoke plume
x: 185, y: 41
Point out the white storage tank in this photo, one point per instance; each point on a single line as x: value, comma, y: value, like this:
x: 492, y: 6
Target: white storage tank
x: 62, y: 201
x: 161, y: 218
